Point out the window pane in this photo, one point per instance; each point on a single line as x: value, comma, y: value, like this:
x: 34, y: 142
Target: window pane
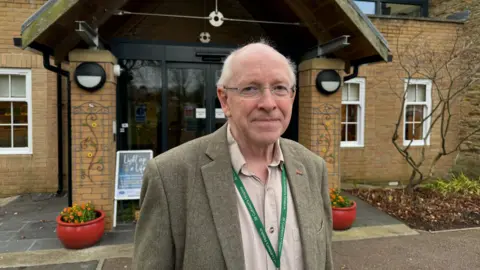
x: 345, y: 91
x: 5, y: 136
x: 354, y: 92
x: 4, y: 86
x: 366, y: 7
x: 352, y: 113
x: 20, y: 136
x: 421, y: 92
x: 18, y: 86
x: 408, y: 132
x: 409, y: 112
x: 352, y: 132
x: 418, y: 113
x: 5, y: 113
x: 344, y: 137
x: 344, y: 113
x: 411, y: 92
x: 20, y: 110
x: 418, y: 134
x: 401, y: 10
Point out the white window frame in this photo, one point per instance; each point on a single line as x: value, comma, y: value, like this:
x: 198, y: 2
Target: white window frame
x: 28, y: 98
x: 360, y: 115
x: 427, y: 102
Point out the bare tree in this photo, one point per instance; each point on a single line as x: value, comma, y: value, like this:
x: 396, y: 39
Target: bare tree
x: 452, y: 68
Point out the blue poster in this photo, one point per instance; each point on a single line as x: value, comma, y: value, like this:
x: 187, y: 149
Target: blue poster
x: 140, y: 113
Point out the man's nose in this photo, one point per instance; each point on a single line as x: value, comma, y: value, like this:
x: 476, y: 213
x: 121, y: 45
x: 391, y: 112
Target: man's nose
x: 267, y: 101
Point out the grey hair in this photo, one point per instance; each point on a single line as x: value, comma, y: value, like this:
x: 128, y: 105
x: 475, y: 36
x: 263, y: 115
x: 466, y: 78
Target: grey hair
x: 227, y: 65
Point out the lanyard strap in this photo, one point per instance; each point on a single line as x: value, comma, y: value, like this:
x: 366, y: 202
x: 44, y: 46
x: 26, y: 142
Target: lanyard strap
x: 258, y: 222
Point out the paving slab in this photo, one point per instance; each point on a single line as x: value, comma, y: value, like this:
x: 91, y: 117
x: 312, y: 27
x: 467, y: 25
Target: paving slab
x: 117, y: 264
x: 90, y: 265
x: 16, y: 245
x: 43, y: 244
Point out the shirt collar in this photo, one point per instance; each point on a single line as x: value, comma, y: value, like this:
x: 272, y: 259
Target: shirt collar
x: 238, y: 161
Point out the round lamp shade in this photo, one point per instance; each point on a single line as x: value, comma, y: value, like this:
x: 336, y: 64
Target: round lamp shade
x: 90, y: 76
x: 328, y: 81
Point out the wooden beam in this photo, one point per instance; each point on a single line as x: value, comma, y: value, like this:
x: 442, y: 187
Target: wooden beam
x: 308, y: 18
x: 45, y: 19
x: 373, y: 36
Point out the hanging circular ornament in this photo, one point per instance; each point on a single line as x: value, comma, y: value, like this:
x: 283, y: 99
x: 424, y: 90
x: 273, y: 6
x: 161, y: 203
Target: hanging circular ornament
x: 216, y: 18
x: 205, y: 37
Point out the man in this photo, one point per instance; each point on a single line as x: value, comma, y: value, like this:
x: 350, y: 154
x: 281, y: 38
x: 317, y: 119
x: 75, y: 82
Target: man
x: 199, y: 200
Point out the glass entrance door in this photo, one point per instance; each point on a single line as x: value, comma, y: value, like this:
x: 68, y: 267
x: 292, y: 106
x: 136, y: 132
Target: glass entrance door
x: 164, y: 105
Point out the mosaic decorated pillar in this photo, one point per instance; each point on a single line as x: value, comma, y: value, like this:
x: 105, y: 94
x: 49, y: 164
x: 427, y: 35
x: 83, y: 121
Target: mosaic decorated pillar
x: 93, y: 142
x: 320, y: 115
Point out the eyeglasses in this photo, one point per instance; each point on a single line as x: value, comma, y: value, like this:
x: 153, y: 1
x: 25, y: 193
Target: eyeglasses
x: 253, y: 91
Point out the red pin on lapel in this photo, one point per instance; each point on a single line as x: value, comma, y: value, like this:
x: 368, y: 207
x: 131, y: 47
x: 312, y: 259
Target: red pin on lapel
x: 299, y: 172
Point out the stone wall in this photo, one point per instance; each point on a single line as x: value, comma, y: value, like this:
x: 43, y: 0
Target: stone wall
x: 468, y: 159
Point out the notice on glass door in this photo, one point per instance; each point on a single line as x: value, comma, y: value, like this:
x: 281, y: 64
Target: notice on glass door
x: 219, y: 114
x: 201, y: 113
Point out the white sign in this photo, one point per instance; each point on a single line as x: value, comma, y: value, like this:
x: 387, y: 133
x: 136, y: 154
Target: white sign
x: 201, y: 113
x: 219, y: 114
x: 124, y: 125
x: 129, y: 176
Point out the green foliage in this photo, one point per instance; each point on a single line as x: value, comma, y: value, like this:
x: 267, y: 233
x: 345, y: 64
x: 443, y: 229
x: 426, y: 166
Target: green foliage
x: 337, y: 200
x: 459, y: 184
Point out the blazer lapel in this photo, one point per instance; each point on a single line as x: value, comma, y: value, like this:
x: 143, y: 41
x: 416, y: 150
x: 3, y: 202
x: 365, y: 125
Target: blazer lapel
x: 217, y: 176
x: 302, y: 198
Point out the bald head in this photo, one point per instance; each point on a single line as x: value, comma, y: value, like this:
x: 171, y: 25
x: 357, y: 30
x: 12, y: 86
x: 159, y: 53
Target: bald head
x: 254, y: 53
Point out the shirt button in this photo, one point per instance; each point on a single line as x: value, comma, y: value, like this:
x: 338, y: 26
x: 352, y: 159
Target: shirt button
x: 272, y: 230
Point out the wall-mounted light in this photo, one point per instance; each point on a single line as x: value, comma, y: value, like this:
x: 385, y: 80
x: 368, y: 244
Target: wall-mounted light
x: 328, y: 81
x: 90, y: 76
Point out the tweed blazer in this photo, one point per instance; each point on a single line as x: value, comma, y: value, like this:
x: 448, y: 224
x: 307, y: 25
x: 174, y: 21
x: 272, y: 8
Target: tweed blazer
x: 188, y: 208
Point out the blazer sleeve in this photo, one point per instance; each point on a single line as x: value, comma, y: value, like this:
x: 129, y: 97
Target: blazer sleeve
x: 153, y: 244
x: 328, y: 216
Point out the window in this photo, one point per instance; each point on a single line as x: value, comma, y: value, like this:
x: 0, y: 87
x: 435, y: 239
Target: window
x: 15, y: 111
x: 417, y: 107
x: 353, y: 112
x: 409, y: 8
x: 401, y: 10
x: 366, y: 7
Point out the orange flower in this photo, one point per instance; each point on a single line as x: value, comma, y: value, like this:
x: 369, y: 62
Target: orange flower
x: 71, y: 217
x: 83, y: 206
x: 89, y: 209
x: 79, y: 213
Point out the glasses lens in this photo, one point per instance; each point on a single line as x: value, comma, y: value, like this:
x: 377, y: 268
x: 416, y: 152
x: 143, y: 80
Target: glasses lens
x: 250, y: 91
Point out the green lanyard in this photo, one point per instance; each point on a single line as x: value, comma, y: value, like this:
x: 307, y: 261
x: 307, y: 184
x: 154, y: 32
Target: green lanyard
x: 258, y: 222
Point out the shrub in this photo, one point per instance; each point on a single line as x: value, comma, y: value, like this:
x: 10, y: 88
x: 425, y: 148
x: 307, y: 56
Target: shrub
x: 459, y: 184
x: 79, y: 213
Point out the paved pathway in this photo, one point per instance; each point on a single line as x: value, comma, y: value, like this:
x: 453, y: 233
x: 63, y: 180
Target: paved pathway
x: 27, y: 223
x: 447, y: 250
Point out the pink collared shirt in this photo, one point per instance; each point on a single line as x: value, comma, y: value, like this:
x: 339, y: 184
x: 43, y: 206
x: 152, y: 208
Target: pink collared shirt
x: 267, y: 201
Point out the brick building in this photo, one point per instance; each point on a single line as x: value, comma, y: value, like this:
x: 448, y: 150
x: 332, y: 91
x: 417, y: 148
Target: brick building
x: 162, y: 58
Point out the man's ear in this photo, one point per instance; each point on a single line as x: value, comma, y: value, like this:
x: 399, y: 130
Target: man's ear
x: 223, y: 97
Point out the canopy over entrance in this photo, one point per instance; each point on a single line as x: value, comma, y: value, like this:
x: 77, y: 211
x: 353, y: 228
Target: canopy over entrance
x: 303, y: 28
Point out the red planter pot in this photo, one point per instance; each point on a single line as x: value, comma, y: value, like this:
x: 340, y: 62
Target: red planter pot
x: 77, y: 236
x: 343, y: 218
